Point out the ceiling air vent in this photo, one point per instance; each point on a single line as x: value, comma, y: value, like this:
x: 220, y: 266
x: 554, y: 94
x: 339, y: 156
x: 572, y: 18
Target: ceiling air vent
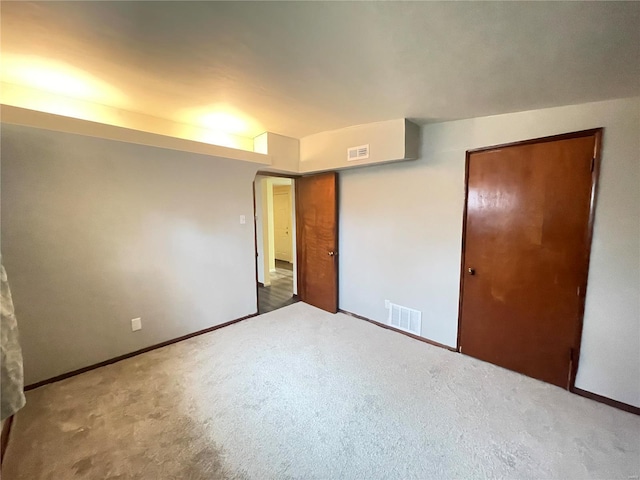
x: 358, y: 153
x: 405, y: 319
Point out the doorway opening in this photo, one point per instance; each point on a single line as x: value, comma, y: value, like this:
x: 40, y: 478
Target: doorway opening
x: 275, y: 223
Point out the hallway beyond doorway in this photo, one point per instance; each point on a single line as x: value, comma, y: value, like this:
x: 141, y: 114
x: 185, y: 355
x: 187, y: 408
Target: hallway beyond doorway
x: 280, y: 293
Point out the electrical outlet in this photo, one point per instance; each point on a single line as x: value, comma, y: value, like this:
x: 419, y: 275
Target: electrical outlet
x: 243, y: 219
x: 387, y: 304
x: 136, y: 324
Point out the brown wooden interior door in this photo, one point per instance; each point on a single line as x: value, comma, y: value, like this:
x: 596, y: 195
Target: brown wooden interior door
x: 317, y: 240
x: 526, y: 253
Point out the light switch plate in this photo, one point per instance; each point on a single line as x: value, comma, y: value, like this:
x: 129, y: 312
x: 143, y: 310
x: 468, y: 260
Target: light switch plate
x: 136, y: 324
x: 243, y: 219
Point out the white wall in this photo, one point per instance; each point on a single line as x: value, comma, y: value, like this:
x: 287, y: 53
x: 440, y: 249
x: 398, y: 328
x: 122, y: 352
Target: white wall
x: 97, y: 232
x: 401, y: 229
x: 284, y: 153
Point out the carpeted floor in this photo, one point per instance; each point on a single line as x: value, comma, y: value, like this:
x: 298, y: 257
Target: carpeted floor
x: 299, y: 393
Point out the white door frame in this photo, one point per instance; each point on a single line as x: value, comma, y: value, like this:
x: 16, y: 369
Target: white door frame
x: 264, y: 227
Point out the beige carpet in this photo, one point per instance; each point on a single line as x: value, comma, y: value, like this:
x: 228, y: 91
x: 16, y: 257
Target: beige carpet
x: 298, y: 393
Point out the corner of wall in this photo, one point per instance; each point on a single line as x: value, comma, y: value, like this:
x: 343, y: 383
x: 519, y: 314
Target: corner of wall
x: 412, y: 140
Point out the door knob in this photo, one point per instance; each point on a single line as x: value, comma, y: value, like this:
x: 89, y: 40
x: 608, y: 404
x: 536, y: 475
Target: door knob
x: 471, y: 271
x: 332, y: 254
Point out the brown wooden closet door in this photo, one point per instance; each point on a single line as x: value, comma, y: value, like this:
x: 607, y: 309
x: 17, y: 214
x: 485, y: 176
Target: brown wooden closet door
x: 526, y: 252
x: 317, y: 240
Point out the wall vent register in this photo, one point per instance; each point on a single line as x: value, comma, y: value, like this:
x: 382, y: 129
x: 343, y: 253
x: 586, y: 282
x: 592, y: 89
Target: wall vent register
x: 358, y: 153
x: 405, y: 319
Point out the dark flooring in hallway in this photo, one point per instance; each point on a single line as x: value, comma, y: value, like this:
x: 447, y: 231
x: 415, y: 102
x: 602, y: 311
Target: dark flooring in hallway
x: 280, y: 293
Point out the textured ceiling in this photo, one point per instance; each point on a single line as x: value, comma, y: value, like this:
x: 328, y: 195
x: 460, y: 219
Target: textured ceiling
x: 301, y: 68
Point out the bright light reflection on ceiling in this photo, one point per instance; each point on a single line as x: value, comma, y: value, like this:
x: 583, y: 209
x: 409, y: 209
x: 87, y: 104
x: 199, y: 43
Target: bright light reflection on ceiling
x: 49, y: 86
x: 60, y: 79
